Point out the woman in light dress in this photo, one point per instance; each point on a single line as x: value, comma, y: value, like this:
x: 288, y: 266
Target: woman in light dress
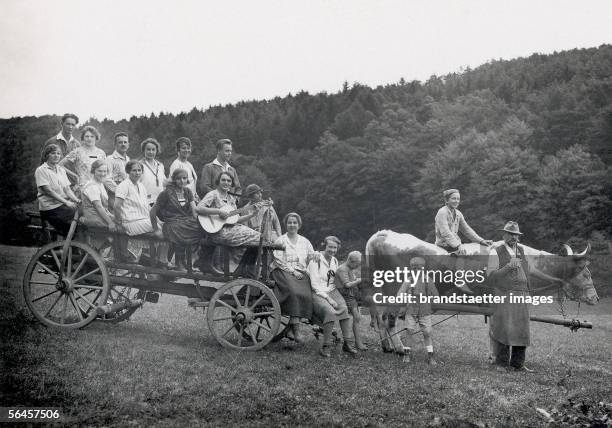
x: 80, y: 159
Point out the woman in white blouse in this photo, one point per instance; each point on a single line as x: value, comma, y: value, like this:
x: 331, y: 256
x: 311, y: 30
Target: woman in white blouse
x: 328, y: 304
x: 81, y: 158
x: 132, y: 209
x: 95, y: 199
x: 183, y: 150
x: 95, y: 205
x: 289, y: 273
x: 56, y: 201
x: 153, y: 173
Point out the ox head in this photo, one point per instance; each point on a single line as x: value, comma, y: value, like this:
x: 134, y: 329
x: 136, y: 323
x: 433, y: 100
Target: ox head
x: 579, y: 283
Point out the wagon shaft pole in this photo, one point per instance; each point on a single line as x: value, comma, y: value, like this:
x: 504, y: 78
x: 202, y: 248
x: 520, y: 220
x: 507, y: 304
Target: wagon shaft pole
x: 572, y: 324
x: 484, y: 310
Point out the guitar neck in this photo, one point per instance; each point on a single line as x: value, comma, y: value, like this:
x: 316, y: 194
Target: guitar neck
x: 237, y: 211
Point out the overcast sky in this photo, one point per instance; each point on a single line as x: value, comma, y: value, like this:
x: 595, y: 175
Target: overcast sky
x: 120, y: 58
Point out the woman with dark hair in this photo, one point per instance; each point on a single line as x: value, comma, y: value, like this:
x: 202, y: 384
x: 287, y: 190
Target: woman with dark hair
x: 153, y: 173
x: 183, y: 150
x: 450, y: 221
x: 328, y: 305
x: 56, y: 201
x: 81, y: 158
x: 289, y: 273
x: 217, y: 203
x: 175, y: 206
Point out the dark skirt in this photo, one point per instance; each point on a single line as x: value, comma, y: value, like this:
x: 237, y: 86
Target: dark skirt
x: 322, y: 311
x: 183, y: 231
x: 60, y: 218
x: 294, y: 295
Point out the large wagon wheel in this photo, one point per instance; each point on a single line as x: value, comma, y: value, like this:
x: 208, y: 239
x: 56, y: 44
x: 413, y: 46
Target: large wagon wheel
x: 66, y: 291
x: 244, y: 314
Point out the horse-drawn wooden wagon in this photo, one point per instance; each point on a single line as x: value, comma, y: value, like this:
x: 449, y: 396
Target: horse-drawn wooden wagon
x: 69, y: 284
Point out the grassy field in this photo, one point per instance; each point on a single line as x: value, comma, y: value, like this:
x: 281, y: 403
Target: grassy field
x: 163, y: 368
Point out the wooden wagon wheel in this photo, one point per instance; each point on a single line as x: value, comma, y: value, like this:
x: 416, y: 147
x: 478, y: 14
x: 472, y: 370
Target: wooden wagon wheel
x: 65, y: 291
x: 244, y: 314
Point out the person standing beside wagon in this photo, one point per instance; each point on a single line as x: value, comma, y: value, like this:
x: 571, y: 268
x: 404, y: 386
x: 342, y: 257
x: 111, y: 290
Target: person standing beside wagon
x: 418, y: 314
x: 347, y: 281
x: 509, y: 271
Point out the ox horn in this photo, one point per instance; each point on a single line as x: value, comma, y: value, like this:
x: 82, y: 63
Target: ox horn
x: 585, y: 252
x: 568, y: 250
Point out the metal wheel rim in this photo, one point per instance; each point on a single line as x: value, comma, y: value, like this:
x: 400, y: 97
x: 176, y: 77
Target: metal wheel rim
x: 223, y: 317
x: 65, y: 296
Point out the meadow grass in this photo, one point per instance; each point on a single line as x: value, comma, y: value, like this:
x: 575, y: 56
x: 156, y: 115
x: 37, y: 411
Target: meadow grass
x: 163, y: 367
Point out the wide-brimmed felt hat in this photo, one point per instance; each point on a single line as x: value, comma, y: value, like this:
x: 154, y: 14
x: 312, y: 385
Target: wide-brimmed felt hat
x: 511, y: 227
x: 251, y: 189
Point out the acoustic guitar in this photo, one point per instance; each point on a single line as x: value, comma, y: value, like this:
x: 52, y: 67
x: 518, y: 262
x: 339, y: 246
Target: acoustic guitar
x: 214, y: 223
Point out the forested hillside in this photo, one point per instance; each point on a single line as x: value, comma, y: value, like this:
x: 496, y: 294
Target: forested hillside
x: 528, y: 139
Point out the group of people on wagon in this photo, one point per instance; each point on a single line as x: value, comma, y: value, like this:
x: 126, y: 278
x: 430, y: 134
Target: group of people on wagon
x: 135, y: 197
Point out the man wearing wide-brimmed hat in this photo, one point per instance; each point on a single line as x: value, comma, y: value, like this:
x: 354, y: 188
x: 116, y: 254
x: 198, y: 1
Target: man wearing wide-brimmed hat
x: 509, y: 271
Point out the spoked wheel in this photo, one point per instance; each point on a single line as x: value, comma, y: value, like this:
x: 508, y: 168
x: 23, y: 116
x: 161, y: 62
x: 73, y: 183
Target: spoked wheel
x: 244, y: 314
x: 65, y: 292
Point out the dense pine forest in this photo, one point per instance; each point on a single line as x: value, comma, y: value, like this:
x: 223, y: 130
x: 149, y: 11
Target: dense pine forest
x: 528, y: 139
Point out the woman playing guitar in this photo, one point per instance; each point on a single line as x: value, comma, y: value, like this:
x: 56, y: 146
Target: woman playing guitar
x: 217, y: 207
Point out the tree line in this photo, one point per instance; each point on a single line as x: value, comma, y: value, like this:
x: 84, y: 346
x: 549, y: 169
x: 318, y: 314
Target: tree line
x: 527, y: 139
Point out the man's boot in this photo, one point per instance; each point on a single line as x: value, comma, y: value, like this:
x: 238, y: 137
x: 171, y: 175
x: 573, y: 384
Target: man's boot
x: 328, y: 328
x: 349, y: 346
x: 297, y: 336
x: 431, y: 360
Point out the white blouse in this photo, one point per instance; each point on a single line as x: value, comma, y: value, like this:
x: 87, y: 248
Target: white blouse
x: 152, y: 178
x: 322, y: 274
x: 295, y: 255
x: 135, y: 206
